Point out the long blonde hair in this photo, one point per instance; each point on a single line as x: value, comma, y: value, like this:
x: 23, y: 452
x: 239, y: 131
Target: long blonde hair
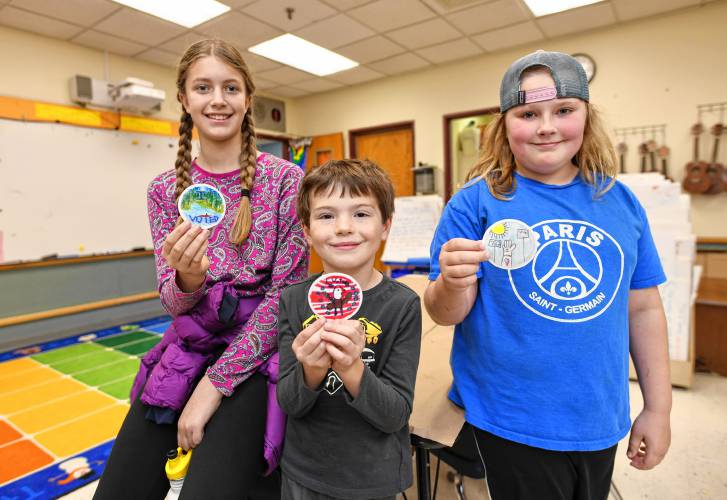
x: 596, y: 159
x: 229, y: 55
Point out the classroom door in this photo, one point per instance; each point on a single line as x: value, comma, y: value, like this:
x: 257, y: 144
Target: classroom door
x: 392, y: 148
x: 322, y: 148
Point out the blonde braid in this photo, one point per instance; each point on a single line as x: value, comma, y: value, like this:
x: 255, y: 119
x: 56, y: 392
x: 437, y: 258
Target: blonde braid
x: 248, y: 161
x: 184, y: 157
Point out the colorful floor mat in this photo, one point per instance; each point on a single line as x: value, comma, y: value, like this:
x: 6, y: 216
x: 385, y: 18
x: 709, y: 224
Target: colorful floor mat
x: 61, y: 406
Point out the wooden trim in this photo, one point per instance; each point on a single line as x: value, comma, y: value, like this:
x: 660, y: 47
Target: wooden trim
x: 702, y: 240
x: 12, y: 108
x: 65, y: 311
x: 446, y: 121
x: 73, y: 260
x: 389, y: 127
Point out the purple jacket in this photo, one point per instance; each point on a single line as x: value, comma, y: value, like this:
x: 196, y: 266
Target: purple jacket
x: 192, y: 342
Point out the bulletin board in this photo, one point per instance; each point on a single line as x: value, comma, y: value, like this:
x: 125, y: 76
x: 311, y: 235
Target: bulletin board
x: 70, y: 190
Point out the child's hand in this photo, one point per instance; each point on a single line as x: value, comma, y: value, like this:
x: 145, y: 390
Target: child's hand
x: 459, y: 260
x: 197, y: 412
x: 185, y: 250
x: 345, y: 340
x: 309, y: 349
x: 650, y: 439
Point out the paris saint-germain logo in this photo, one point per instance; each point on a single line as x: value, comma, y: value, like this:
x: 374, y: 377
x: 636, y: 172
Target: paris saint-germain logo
x: 575, y: 273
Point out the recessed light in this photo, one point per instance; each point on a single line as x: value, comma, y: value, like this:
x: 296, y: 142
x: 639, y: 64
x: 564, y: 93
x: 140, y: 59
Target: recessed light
x: 544, y: 7
x: 188, y: 13
x: 302, y: 54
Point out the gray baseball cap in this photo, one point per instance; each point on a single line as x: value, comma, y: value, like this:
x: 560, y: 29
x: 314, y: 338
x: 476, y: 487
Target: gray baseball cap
x: 568, y: 74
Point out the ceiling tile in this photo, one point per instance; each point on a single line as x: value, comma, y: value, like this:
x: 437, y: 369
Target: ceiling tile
x: 239, y: 29
x: 318, y: 85
x: 134, y: 25
x: 83, y: 12
x: 385, y: 15
x: 488, y: 16
x: 399, y: 64
x: 450, y: 51
x: 161, y: 57
x: 335, y: 32
x: 236, y: 3
x: 286, y: 75
x: 448, y: 6
x: 628, y: 9
x: 344, y: 5
x: 581, y: 19
x: 274, y: 12
x: 16, y: 18
x: 257, y: 63
x: 356, y: 75
x: 263, y: 84
x: 102, y: 41
x: 179, y: 44
x: 286, y: 92
x: 518, y: 34
x: 426, y: 33
x: 371, y: 49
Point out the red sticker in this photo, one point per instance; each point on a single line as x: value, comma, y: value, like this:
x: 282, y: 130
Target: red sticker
x: 335, y: 296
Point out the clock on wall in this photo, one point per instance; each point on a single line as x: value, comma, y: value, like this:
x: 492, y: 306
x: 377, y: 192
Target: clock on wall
x: 589, y: 65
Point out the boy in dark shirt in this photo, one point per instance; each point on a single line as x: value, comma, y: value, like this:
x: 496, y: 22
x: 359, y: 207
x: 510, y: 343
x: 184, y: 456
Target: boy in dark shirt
x: 347, y: 385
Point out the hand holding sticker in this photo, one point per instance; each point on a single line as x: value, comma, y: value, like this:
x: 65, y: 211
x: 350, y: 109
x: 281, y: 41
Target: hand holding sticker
x: 202, y: 205
x: 511, y: 244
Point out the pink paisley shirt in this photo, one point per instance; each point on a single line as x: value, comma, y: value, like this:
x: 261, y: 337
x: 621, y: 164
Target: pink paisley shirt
x: 274, y: 255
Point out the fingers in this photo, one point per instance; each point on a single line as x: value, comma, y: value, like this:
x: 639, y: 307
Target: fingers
x: 639, y: 454
x: 189, y: 436
x: 185, y: 246
x: 305, y: 339
x: 463, y: 244
x: 635, y: 441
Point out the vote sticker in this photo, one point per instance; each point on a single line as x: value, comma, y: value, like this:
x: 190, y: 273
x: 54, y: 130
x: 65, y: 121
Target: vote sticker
x: 511, y: 244
x: 335, y: 296
x: 202, y: 205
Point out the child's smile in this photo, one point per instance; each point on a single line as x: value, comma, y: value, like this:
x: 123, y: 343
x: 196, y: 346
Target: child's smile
x: 346, y: 232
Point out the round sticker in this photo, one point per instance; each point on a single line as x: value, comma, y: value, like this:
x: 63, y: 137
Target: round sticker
x: 335, y: 296
x: 511, y: 243
x: 202, y: 205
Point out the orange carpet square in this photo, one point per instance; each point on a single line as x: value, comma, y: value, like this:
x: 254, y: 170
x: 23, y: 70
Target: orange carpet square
x: 7, y: 433
x: 21, y: 457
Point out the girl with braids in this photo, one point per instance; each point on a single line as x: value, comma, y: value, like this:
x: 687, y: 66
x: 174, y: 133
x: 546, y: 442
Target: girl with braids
x: 547, y: 267
x: 207, y: 385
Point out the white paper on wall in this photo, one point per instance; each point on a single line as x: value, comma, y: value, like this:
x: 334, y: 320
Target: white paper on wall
x: 412, y: 229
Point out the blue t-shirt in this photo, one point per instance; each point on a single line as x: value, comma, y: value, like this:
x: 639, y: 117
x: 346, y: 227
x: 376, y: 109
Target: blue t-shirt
x: 542, y: 357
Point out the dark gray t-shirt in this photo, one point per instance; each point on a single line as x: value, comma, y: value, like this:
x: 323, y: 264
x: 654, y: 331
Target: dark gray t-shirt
x: 345, y: 447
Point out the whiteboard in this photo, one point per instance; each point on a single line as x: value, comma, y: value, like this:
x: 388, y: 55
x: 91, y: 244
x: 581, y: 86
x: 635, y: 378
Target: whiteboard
x: 71, y: 190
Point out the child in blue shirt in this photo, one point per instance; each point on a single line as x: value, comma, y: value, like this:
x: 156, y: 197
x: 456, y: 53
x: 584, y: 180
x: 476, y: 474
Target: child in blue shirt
x: 550, y: 302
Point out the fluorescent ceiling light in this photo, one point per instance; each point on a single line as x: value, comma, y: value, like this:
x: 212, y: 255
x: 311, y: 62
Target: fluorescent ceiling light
x: 188, y: 13
x: 544, y: 7
x: 294, y: 51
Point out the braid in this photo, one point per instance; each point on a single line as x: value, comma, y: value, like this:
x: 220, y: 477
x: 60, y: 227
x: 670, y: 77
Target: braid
x: 184, y: 154
x: 248, y: 161
x: 184, y: 157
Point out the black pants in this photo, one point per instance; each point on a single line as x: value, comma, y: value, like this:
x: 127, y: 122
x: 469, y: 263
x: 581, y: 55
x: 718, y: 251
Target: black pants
x: 227, y: 464
x: 519, y: 472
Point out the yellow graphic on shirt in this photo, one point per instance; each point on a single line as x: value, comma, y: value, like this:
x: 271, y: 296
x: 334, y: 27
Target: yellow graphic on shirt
x: 310, y: 321
x: 372, y: 330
